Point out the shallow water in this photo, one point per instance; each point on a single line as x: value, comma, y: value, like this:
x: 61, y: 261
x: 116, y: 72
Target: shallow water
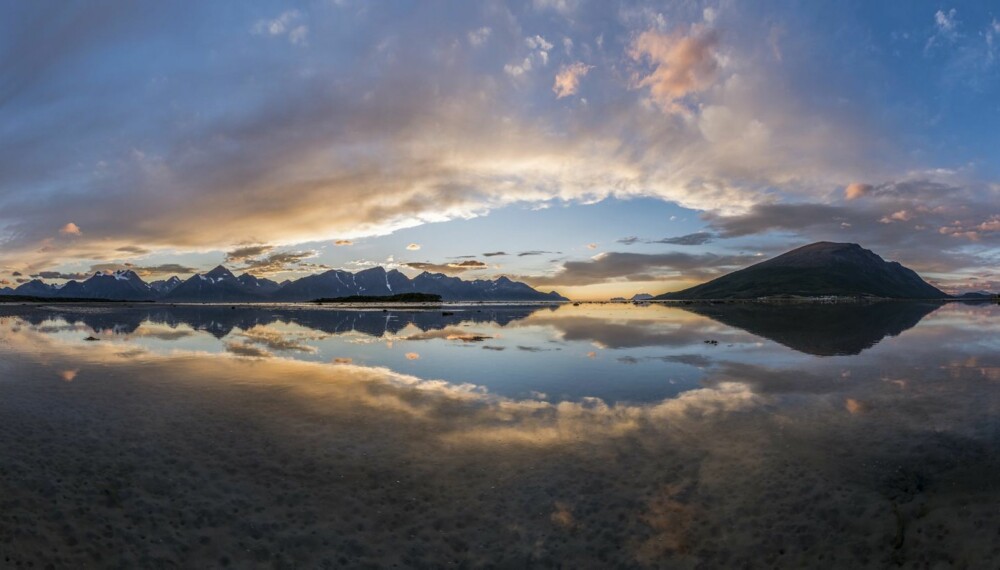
x: 526, y: 436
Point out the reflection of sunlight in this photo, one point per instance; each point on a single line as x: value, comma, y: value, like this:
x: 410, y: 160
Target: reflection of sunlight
x: 412, y: 356
x: 69, y: 375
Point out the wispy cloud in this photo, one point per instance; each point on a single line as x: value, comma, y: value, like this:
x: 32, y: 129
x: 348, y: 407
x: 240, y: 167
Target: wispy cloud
x: 606, y: 267
x: 679, y: 65
x: 568, y: 79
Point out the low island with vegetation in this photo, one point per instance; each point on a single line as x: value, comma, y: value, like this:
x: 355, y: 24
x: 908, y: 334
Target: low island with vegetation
x: 400, y: 298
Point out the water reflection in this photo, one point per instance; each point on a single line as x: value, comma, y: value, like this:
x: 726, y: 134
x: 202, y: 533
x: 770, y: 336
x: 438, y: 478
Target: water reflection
x: 221, y: 320
x: 145, y: 450
x: 548, y: 352
x: 820, y: 329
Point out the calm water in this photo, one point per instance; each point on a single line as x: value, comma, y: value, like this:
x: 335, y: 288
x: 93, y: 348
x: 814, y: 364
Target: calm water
x: 697, y: 436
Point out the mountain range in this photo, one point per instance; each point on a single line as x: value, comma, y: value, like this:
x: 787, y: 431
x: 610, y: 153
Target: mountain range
x: 817, y: 270
x: 220, y: 285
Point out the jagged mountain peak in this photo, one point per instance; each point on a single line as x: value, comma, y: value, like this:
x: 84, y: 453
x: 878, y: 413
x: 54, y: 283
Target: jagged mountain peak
x: 220, y: 272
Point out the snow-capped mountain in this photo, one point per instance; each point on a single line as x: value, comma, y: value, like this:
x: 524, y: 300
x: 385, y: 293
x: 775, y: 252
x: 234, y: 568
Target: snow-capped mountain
x: 500, y: 289
x: 340, y: 283
x: 218, y: 285
x: 259, y: 284
x: 164, y: 286
x: 221, y: 286
x: 123, y: 285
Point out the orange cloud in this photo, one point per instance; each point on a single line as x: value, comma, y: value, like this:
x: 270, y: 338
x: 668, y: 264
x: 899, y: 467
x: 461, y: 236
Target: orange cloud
x: 413, y: 246
x: 680, y: 65
x: 70, y: 229
x: 856, y: 190
x: 342, y: 242
x: 900, y: 216
x: 568, y: 79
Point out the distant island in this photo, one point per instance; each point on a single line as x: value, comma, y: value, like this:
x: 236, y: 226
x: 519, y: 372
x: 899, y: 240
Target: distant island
x: 823, y: 269
x: 401, y: 298
x: 220, y: 285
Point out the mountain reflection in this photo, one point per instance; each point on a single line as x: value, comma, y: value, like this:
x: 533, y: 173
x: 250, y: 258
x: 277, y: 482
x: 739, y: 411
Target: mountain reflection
x: 820, y: 329
x: 815, y: 329
x: 220, y: 321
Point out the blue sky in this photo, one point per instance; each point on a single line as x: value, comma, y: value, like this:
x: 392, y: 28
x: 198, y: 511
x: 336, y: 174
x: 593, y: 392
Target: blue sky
x: 174, y: 137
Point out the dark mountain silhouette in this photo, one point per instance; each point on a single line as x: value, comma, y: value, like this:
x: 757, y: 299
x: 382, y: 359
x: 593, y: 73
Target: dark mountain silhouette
x: 218, y: 285
x: 36, y: 288
x: 221, y: 286
x: 501, y: 289
x: 119, y: 285
x: 818, y: 328
x: 816, y: 270
x: 338, y: 283
x: 164, y: 286
x: 260, y: 284
x: 976, y: 296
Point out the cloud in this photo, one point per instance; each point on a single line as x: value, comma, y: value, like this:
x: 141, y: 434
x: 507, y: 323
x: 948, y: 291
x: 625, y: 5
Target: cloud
x: 538, y: 54
x: 856, y: 190
x: 70, y: 229
x: 133, y: 249
x: 770, y: 217
x: 591, y: 246
x: 945, y: 29
x: 494, y: 253
x: 447, y: 268
x: 343, y: 242
x: 900, y: 216
x: 413, y: 247
x: 479, y: 36
x: 568, y: 79
x: 616, y: 266
x: 286, y: 24
x: 143, y: 271
x: 945, y: 21
x: 164, y: 269
x: 59, y: 275
x: 679, y: 65
x: 697, y: 238
x: 276, y: 262
x: 246, y: 252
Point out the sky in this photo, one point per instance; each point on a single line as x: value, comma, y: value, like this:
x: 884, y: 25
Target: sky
x: 593, y: 148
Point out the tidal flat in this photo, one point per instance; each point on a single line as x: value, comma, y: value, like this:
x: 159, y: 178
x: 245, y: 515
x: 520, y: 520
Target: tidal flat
x: 592, y: 436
